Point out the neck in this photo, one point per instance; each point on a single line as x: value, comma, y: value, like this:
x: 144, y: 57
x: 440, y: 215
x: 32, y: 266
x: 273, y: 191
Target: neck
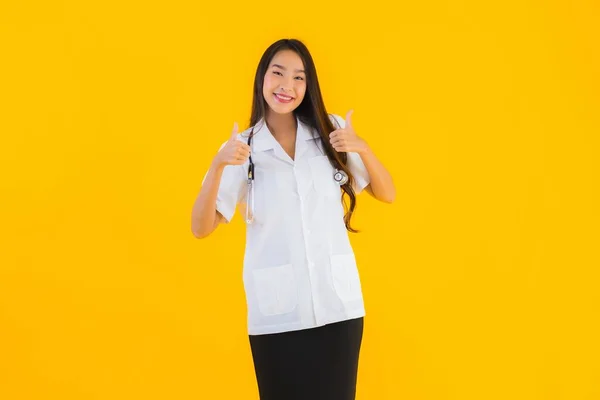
x: 281, y: 125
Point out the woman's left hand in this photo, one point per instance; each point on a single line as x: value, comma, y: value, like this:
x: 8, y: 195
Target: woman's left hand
x: 346, y: 140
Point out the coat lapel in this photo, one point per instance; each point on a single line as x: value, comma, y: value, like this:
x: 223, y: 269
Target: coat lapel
x: 264, y: 140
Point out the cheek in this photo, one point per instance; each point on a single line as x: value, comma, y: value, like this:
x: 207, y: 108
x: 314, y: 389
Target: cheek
x: 300, y: 90
x: 269, y: 82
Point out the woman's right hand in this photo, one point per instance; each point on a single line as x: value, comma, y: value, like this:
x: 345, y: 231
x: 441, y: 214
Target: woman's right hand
x: 234, y: 152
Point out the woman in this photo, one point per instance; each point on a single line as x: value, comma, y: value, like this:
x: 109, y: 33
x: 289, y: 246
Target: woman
x: 291, y: 173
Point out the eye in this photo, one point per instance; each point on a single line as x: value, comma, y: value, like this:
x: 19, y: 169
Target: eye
x: 300, y: 78
x: 277, y: 72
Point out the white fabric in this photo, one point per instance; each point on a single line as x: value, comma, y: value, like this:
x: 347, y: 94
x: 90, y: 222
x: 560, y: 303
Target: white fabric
x: 299, y: 267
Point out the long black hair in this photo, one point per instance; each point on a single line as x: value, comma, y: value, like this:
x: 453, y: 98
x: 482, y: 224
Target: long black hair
x: 311, y: 112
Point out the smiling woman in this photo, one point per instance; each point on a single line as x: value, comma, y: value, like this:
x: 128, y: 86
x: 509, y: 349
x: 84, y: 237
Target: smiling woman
x: 303, y: 291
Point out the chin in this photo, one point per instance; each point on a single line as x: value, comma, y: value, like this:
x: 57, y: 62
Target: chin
x: 277, y: 108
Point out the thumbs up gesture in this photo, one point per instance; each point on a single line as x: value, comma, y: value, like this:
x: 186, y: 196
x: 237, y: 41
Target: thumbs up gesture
x: 234, y: 151
x: 346, y: 140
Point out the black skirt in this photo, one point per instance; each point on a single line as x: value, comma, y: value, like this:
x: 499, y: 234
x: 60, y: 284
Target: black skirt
x: 311, y: 364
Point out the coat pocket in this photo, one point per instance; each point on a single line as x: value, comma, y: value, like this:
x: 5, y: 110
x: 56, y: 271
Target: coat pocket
x: 322, y: 175
x: 346, y: 280
x: 275, y: 289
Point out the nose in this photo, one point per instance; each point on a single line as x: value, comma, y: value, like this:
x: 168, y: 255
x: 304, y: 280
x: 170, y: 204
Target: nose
x: 287, y: 85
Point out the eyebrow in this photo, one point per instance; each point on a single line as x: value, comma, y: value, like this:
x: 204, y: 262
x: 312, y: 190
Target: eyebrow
x: 283, y: 68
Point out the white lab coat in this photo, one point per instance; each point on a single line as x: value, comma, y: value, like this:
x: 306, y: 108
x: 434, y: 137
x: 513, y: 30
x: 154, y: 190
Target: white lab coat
x: 299, y: 268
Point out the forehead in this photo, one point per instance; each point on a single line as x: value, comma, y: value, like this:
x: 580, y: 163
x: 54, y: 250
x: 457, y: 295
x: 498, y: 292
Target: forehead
x: 288, y: 59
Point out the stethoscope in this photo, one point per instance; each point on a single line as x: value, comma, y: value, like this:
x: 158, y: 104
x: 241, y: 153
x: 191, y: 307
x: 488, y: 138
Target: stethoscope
x: 339, y: 176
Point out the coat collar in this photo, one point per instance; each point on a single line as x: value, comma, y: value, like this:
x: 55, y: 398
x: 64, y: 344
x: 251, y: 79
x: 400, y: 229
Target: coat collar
x: 264, y: 140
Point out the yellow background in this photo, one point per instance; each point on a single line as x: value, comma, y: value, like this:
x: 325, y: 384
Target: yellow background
x: 481, y: 281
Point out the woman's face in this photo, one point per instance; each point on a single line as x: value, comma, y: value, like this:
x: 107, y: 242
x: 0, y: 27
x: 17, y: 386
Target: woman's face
x: 285, y: 82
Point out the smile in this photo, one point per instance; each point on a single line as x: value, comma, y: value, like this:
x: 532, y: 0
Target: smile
x: 283, y: 98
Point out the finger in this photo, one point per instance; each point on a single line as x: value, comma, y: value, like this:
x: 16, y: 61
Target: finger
x: 245, y: 147
x: 349, y: 119
x: 238, y: 152
x: 335, y: 133
x: 244, y: 153
x: 337, y: 139
x: 241, y: 146
x: 234, y: 133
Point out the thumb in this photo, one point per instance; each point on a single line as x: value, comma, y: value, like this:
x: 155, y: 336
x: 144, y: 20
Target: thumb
x: 234, y: 133
x: 349, y: 119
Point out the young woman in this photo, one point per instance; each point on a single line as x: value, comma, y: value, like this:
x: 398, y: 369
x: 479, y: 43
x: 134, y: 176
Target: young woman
x: 292, y: 173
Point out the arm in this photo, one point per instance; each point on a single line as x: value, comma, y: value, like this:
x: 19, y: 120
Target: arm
x: 382, y: 185
x: 205, y: 217
x: 221, y: 187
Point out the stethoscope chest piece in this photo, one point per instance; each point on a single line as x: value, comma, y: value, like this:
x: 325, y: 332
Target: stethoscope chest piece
x: 340, y: 177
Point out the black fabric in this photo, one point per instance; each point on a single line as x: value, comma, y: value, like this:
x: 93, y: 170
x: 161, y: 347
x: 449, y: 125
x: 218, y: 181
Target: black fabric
x: 312, y: 364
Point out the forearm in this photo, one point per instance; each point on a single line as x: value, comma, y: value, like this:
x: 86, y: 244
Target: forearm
x: 204, y: 212
x: 381, y: 182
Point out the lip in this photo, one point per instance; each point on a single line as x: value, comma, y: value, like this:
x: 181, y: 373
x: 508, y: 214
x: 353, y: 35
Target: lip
x: 285, y: 95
